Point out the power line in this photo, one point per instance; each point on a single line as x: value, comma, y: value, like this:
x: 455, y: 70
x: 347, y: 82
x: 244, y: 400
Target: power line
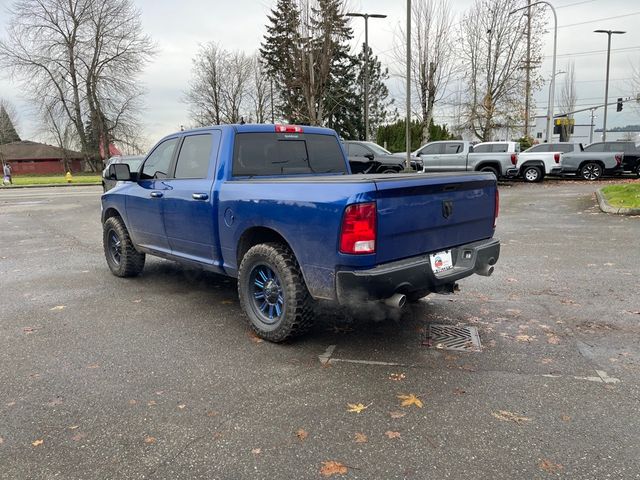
x: 599, y: 20
x: 593, y: 52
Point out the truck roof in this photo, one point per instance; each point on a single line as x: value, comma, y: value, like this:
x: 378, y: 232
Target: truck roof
x: 258, y: 128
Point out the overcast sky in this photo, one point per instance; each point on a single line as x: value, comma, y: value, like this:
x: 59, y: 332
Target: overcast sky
x: 179, y: 27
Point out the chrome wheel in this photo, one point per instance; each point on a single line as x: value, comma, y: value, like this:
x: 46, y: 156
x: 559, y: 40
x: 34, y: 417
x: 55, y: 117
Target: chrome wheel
x: 591, y: 171
x: 268, y: 297
x: 531, y: 174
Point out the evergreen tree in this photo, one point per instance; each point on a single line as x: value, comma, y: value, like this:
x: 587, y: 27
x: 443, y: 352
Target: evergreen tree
x: 393, y: 135
x: 8, y: 132
x: 280, y: 54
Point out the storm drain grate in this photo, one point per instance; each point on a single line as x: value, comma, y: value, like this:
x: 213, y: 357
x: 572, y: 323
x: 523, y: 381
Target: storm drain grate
x: 451, y: 337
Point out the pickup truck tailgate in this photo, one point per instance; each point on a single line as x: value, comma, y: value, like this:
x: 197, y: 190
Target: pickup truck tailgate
x: 420, y: 214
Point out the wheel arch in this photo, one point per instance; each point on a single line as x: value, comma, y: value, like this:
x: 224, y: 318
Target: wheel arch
x: 490, y: 163
x: 255, y: 235
x: 594, y: 160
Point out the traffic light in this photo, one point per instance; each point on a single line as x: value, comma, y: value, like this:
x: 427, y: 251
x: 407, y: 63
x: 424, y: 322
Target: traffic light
x: 619, y: 107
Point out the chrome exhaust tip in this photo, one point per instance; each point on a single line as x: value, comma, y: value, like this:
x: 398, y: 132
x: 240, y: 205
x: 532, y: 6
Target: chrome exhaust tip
x: 397, y: 300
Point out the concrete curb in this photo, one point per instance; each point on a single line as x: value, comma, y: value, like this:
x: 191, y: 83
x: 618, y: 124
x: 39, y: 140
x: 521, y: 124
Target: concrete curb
x: 48, y: 185
x: 605, y: 207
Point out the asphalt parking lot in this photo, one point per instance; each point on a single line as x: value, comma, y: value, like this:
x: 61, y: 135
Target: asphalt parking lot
x: 158, y: 376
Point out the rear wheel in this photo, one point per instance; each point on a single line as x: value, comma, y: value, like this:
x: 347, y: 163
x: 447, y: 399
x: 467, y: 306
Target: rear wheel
x: 122, y: 257
x: 273, y: 293
x: 490, y: 169
x: 591, y: 171
x: 532, y: 174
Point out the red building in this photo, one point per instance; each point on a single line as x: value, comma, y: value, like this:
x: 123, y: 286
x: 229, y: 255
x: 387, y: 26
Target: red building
x: 39, y: 158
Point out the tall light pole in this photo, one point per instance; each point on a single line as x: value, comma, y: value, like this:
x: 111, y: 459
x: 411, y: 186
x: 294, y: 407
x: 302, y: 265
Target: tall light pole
x: 606, y: 84
x: 366, y: 17
x: 407, y: 164
x: 552, y: 85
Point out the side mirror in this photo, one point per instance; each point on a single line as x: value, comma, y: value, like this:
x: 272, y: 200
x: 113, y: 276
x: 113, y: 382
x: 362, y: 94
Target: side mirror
x: 418, y: 154
x: 370, y: 156
x: 119, y: 172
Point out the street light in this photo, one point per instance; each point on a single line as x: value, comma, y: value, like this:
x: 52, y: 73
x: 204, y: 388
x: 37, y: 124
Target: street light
x: 606, y: 85
x: 366, y: 17
x: 552, y: 85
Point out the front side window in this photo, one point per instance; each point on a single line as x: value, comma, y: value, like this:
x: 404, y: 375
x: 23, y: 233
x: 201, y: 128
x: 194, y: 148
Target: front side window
x: 431, y: 149
x: 482, y: 148
x: 595, y: 147
x: 193, y: 160
x: 543, y: 147
x: 158, y: 162
x: 357, y: 150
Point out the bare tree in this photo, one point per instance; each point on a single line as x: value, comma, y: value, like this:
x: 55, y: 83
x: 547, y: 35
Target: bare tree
x: 8, y: 120
x: 433, y: 59
x: 204, y: 94
x: 259, y: 91
x: 80, y: 58
x: 568, y: 98
x: 493, y: 51
x: 236, y: 80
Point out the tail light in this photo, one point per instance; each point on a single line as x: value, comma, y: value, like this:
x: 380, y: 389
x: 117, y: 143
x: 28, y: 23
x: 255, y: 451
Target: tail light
x: 497, y: 209
x: 358, y: 233
x: 289, y: 129
x: 556, y: 157
x: 514, y: 159
x: 619, y: 159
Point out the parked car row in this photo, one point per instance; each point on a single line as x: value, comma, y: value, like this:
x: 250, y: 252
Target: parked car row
x: 503, y: 159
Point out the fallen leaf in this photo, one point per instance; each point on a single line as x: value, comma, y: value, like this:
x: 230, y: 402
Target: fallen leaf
x: 73, y: 427
x: 10, y: 404
x: 565, y: 418
x: 150, y: 440
x: 181, y: 406
x: 510, y: 417
x: 137, y: 300
x: 211, y: 413
x: 634, y: 313
x: 524, y: 338
x: 256, y: 451
x: 397, y: 376
x: 302, y: 434
x: 159, y: 392
x: 549, y: 467
x: 411, y: 399
x: 459, y: 391
x: 546, y: 361
x: 93, y: 366
x: 227, y: 302
x: 553, y: 339
x: 133, y: 402
x: 37, y: 443
x: 512, y: 280
x: 397, y: 414
x: 361, y: 438
x: 1, y: 440
x: 29, y: 330
x: 78, y: 436
x: 391, y: 434
x: 254, y: 337
x: 57, y: 307
x: 356, y: 407
x: 151, y: 403
x: 331, y: 468
x: 55, y: 401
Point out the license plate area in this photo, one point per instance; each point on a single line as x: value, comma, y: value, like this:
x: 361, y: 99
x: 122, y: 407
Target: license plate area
x: 441, y: 261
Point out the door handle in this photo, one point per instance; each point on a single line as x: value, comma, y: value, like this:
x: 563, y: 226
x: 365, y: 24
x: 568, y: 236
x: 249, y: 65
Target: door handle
x: 200, y: 196
x: 156, y: 194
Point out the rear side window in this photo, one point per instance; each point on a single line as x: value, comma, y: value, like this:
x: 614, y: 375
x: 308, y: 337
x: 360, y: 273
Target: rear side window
x: 539, y: 148
x: 595, y: 147
x: 260, y: 154
x: 451, y: 148
x: 431, y: 149
x: 158, y: 162
x: 482, y: 149
x: 500, y: 147
x: 193, y: 160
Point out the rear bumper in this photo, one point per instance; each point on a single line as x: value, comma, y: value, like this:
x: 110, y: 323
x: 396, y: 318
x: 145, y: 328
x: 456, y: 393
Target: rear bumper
x: 415, y: 274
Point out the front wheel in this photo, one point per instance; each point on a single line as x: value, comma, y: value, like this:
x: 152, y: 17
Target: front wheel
x: 532, y: 174
x: 591, y: 171
x: 273, y: 293
x: 122, y: 257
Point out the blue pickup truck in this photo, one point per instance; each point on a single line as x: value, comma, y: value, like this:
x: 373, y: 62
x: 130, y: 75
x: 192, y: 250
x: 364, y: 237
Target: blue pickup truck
x: 276, y: 207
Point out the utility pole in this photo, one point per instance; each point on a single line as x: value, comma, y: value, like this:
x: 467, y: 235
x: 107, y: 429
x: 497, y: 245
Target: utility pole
x: 606, y: 85
x: 366, y: 17
x: 527, y: 87
x: 592, y: 125
x: 407, y: 165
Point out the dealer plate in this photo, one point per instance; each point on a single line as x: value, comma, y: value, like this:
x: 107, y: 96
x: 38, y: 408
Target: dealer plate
x: 441, y: 261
